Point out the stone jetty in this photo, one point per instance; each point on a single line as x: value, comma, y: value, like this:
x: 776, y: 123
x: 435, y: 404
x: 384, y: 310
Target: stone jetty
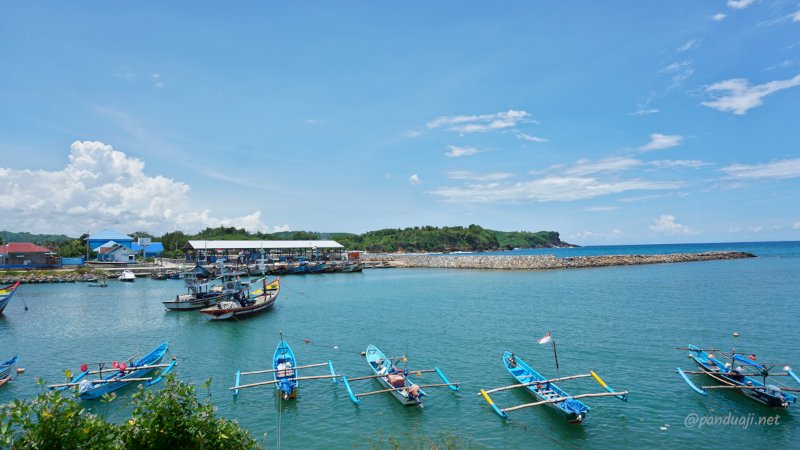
x: 541, y: 262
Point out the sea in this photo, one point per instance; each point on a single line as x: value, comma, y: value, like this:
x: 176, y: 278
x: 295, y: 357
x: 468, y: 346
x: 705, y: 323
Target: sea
x: 625, y: 323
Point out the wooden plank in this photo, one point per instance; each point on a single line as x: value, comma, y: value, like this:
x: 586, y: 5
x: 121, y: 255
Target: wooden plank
x: 424, y: 386
x: 561, y: 399
x: 552, y: 380
x: 273, y: 370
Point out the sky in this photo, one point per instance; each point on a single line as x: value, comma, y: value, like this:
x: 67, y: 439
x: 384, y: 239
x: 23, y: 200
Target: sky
x: 609, y: 122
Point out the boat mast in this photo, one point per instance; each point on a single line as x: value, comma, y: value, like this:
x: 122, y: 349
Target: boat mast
x: 555, y: 356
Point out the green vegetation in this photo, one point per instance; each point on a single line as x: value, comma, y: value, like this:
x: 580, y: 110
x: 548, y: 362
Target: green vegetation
x: 169, y: 418
x: 415, y: 239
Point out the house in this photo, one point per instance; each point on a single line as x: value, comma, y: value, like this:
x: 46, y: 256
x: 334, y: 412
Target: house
x: 112, y: 251
x: 27, y: 254
x: 96, y: 240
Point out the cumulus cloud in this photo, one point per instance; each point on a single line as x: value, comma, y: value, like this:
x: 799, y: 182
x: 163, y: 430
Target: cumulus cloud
x: 456, y: 152
x: 481, y: 123
x: 737, y: 96
x: 719, y: 17
x: 414, y: 179
x: 661, y: 141
x: 784, y: 169
x: 101, y: 187
x: 666, y: 225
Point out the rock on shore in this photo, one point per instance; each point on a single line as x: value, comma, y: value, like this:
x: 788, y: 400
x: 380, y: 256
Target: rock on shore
x: 535, y: 262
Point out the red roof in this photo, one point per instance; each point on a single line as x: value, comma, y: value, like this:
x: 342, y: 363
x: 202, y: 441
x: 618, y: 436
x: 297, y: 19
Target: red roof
x: 23, y: 247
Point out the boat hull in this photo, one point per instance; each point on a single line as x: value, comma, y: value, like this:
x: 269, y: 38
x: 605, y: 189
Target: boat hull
x: 235, y: 309
x: 573, y: 411
x: 5, y: 367
x: 5, y: 295
x: 284, y: 363
x: 765, y: 396
x: 92, y: 392
x: 380, y: 364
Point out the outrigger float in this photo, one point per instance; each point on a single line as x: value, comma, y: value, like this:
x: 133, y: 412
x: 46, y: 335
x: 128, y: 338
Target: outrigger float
x: 394, y: 380
x: 544, y: 389
x: 729, y: 377
x: 119, y: 375
x: 285, y: 373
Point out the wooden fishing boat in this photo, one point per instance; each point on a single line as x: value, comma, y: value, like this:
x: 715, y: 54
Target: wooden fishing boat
x: 119, y: 375
x: 285, y: 373
x: 244, y: 305
x: 732, y: 373
x: 202, y: 290
x: 6, y: 293
x: 5, y: 369
x: 546, y: 392
x: 394, y: 380
x: 101, y: 284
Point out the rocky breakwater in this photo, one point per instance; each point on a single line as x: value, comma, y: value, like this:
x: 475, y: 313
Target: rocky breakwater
x: 537, y: 262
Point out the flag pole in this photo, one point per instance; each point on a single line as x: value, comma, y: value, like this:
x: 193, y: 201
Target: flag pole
x: 555, y: 355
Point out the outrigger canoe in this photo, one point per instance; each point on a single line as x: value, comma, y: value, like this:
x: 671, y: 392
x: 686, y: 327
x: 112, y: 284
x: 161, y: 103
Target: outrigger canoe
x: 5, y: 369
x: 285, y: 373
x: 119, y: 376
x: 730, y: 377
x: 547, y: 393
x: 394, y: 380
x: 257, y: 301
x: 6, y: 293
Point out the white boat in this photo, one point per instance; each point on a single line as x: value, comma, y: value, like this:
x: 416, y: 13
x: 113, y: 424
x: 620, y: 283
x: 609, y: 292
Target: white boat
x: 127, y: 275
x: 201, y: 293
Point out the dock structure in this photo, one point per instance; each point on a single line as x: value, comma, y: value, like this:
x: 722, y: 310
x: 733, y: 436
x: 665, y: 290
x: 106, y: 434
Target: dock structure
x: 253, y: 251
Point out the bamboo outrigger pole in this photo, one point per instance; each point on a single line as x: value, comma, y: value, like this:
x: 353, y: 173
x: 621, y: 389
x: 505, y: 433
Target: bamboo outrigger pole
x: 406, y: 387
x: 531, y: 383
x: 123, y: 380
x: 273, y: 370
x: 263, y: 383
x: 561, y: 399
x: 410, y: 372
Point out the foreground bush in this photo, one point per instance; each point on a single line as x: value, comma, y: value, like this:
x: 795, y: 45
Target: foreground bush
x: 171, y: 418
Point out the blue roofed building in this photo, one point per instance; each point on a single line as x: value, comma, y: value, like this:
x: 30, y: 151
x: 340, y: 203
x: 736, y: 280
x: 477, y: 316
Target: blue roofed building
x: 102, y: 237
x: 152, y: 250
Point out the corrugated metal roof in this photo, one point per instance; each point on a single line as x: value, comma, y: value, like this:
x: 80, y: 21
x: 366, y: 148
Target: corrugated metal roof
x: 23, y: 247
x: 109, y: 235
x: 266, y: 245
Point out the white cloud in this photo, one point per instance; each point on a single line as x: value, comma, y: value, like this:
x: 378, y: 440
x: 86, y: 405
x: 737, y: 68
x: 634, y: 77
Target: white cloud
x: 645, y: 112
x: 158, y: 83
x: 594, y: 236
x: 719, y: 17
x: 456, y: 152
x: 782, y: 65
x: 414, y: 179
x: 666, y: 225
x: 739, y: 4
x: 481, y: 123
x: 678, y: 163
x: 796, y: 226
x: 661, y: 141
x: 548, y: 189
x: 738, y: 96
x: 528, y: 137
x: 99, y: 188
x: 787, y: 168
x: 466, y: 175
x: 688, y: 46
x: 796, y: 16
x: 616, y: 164
x: 601, y: 208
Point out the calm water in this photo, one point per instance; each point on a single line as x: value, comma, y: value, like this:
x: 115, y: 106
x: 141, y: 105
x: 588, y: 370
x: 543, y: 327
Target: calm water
x: 622, y: 322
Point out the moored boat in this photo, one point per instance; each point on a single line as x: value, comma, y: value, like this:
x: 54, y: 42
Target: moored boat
x: 119, y: 375
x: 5, y: 368
x: 201, y: 293
x: 284, y: 364
x: 6, y: 293
x: 732, y: 373
x: 127, y: 275
x: 256, y: 302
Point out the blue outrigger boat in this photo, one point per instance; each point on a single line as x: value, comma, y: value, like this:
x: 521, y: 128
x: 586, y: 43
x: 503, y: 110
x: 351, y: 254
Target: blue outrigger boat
x: 394, y: 380
x: 6, y: 293
x: 774, y: 395
x: 5, y: 369
x: 119, y: 376
x: 284, y: 372
x: 573, y: 410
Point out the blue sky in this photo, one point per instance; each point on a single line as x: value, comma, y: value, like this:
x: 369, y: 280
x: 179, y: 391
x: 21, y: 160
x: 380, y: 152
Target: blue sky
x: 610, y: 122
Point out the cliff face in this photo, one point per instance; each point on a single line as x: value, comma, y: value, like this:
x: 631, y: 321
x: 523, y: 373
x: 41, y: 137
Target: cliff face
x: 551, y: 262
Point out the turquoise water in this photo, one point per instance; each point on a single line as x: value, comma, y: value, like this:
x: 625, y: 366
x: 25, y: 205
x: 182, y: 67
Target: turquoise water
x: 622, y: 322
